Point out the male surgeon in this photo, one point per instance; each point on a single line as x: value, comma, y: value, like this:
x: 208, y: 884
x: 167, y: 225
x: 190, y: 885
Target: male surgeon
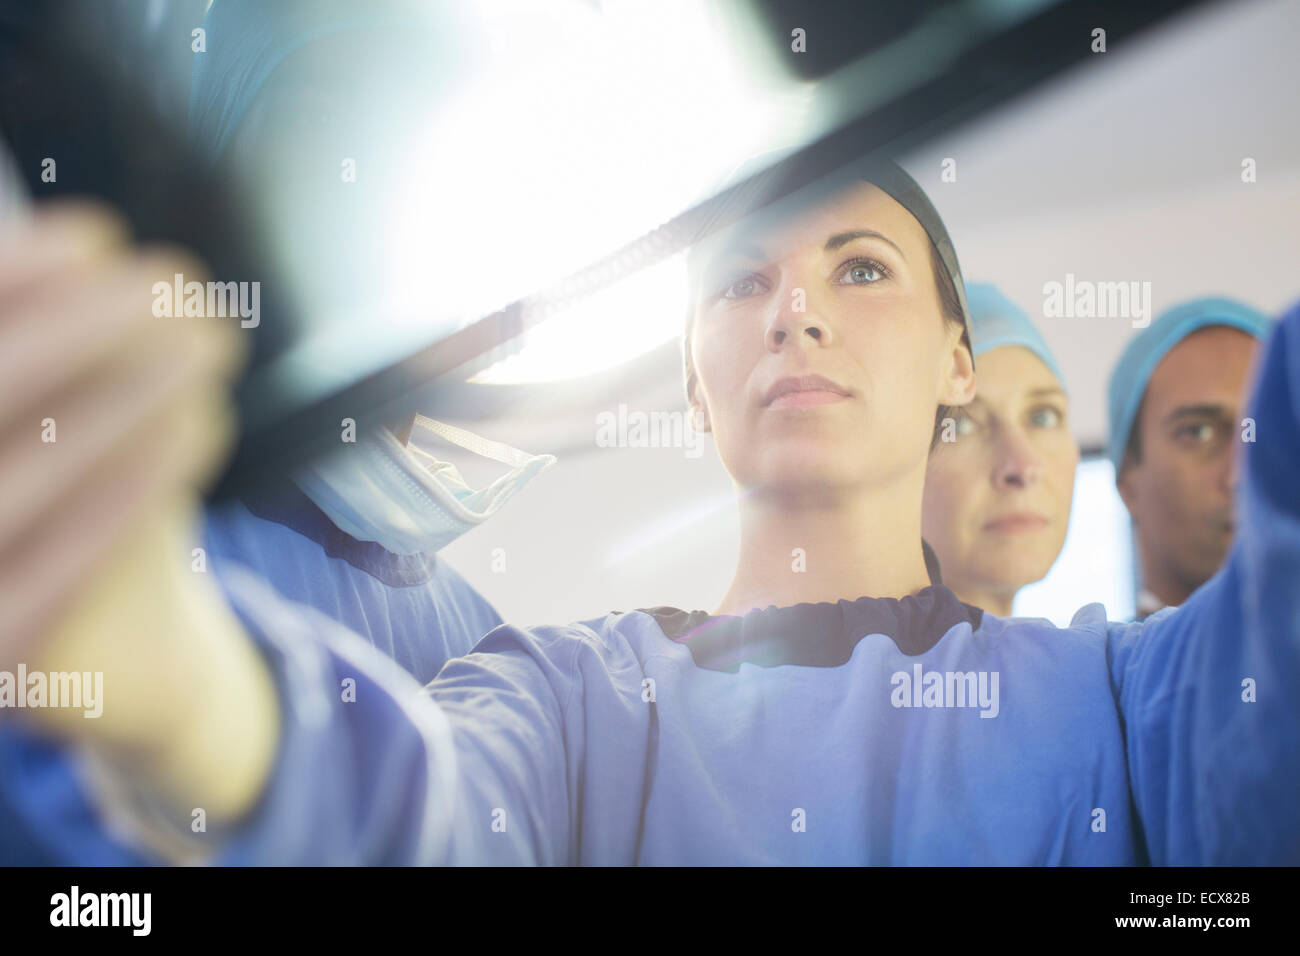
x: 1176, y: 401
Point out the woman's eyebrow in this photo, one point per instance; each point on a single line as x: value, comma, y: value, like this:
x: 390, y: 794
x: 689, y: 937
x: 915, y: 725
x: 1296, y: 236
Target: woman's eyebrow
x: 741, y: 247
x: 1046, y: 392
x: 843, y: 238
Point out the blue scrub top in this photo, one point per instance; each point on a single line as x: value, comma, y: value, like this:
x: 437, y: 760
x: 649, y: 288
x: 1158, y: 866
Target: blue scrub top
x: 415, y: 608
x: 870, y: 731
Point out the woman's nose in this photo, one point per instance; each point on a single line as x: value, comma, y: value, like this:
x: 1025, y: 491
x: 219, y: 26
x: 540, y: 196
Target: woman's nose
x: 795, y: 321
x: 1018, y: 464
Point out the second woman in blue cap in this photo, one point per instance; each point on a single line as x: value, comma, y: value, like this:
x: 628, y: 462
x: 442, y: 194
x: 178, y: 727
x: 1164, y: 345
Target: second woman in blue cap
x: 1001, y: 479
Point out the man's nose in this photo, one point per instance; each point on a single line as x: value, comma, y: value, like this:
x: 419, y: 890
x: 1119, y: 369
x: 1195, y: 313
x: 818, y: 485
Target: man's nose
x: 1230, y: 466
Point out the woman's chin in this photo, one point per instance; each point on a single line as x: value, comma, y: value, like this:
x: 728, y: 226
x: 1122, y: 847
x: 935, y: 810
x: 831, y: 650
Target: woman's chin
x: 1016, y: 571
x: 811, y: 469
x: 818, y: 457
x: 1025, y: 557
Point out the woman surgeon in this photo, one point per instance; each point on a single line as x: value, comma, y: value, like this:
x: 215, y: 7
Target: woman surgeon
x: 998, y: 490
x: 835, y: 707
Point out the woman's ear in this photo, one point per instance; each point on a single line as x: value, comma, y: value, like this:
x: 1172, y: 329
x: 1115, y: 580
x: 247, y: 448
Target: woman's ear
x: 699, y: 419
x: 698, y: 407
x: 958, y: 385
x: 699, y: 411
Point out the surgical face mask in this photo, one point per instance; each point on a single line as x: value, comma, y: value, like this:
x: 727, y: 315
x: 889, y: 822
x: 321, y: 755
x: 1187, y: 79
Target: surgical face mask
x: 404, y: 498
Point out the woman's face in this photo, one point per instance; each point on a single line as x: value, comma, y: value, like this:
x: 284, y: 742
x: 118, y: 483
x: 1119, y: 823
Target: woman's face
x: 819, y: 347
x: 997, y: 500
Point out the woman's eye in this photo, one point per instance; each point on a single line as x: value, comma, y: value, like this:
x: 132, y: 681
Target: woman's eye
x: 862, y: 272
x: 742, y: 288
x: 1046, y: 417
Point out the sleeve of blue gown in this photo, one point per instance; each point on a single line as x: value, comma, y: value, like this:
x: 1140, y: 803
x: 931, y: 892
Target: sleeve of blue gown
x: 1210, y: 691
x: 416, y: 608
x: 474, y: 769
x: 46, y: 818
x: 368, y: 769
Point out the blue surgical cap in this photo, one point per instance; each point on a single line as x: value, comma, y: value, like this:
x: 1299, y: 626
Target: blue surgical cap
x: 996, y: 321
x: 1128, y: 382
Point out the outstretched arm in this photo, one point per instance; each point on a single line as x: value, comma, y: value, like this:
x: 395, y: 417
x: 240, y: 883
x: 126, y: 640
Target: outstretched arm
x: 1210, y: 692
x: 109, y: 419
x: 295, y: 739
x: 368, y: 767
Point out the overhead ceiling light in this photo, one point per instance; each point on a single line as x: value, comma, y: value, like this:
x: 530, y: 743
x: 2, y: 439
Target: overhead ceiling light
x: 601, y: 331
x: 591, y: 127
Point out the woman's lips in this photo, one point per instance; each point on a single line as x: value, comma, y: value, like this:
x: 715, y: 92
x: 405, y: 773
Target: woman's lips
x: 1019, y: 523
x: 783, y: 391
x: 818, y: 396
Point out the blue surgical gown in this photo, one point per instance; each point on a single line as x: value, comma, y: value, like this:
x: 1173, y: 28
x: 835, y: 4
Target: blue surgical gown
x: 415, y: 608
x: 782, y: 737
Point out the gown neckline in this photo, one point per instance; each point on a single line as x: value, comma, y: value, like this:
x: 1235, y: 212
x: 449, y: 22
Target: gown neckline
x: 821, y: 634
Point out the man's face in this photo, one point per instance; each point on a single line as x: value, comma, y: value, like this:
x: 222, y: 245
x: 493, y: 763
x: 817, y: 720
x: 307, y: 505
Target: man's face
x: 1179, y: 491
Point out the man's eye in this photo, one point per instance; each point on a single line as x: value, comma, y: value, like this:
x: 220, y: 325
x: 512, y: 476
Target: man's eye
x: 862, y: 272
x: 1046, y: 417
x: 1199, y: 433
x: 742, y: 288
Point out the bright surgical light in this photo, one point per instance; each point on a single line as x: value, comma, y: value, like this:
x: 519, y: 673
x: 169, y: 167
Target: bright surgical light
x: 588, y: 128
x: 606, y: 329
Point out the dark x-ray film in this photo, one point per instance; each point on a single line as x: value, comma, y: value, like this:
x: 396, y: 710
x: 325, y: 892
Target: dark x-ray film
x: 874, y: 97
